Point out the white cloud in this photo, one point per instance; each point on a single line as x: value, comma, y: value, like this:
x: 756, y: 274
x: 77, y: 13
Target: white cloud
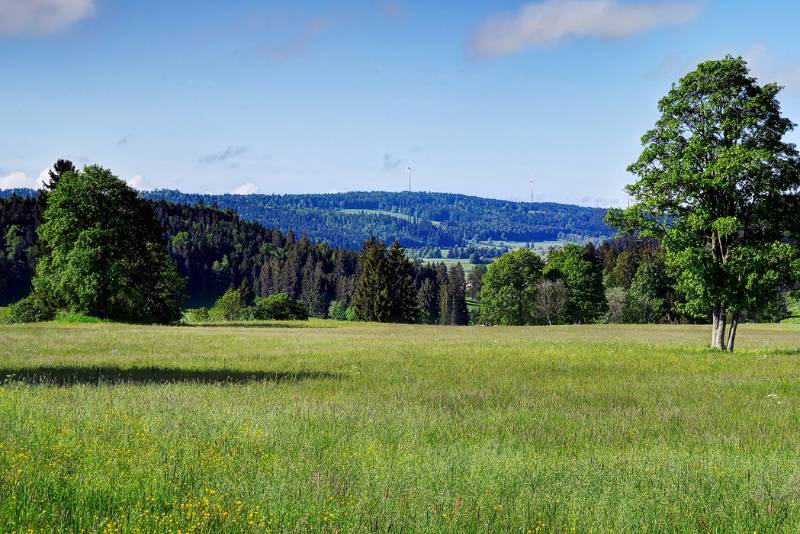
x: 136, y: 182
x: 767, y: 68
x: 247, y: 188
x: 549, y: 23
x: 19, y: 179
x: 40, y: 17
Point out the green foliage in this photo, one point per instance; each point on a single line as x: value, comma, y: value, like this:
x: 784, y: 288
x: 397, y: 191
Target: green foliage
x: 428, y: 302
x: 31, y: 309
x: 279, y: 307
x: 18, y: 220
x: 580, y: 271
x: 386, y: 291
x: 718, y: 182
x: 418, y: 220
x: 338, y: 311
x: 402, y: 289
x: 452, y: 299
x: 196, y: 315
x: 373, y: 300
x: 64, y: 317
x: 230, y: 307
x: 508, y: 295
x: 104, y: 252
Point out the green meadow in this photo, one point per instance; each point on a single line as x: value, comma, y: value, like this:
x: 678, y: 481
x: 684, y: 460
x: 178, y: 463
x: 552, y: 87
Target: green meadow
x: 337, y: 427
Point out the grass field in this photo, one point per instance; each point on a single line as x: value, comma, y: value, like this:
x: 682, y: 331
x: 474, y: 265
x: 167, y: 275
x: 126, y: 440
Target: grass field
x: 403, y: 216
x: 333, y: 427
x: 450, y: 262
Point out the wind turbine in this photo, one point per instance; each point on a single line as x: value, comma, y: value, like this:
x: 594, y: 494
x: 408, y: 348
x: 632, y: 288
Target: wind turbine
x: 409, y: 178
x: 531, y: 182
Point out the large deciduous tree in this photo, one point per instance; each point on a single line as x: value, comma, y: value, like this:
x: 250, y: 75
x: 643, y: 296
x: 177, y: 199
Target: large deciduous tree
x: 104, y: 253
x: 581, y: 272
x: 719, y: 184
x: 508, y: 295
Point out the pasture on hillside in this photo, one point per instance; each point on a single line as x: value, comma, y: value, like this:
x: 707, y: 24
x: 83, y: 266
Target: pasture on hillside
x: 324, y: 426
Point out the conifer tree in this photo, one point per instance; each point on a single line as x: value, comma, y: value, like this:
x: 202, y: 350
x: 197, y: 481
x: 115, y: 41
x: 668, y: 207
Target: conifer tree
x: 372, y: 300
x: 401, y: 285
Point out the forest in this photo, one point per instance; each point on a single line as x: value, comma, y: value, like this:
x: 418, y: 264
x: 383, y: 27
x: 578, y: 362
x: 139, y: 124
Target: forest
x: 415, y: 219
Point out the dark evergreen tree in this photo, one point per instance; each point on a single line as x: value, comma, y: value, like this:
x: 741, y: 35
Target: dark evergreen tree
x: 60, y: 168
x: 372, y: 300
x: 452, y: 298
x: 428, y: 302
x: 402, y: 288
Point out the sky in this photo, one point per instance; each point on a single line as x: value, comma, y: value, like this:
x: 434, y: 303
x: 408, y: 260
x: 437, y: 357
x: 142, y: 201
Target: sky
x: 477, y: 97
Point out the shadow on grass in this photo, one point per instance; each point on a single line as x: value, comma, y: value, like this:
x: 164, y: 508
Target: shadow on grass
x: 94, y: 376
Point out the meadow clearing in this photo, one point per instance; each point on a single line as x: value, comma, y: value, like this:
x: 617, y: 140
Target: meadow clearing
x: 361, y: 427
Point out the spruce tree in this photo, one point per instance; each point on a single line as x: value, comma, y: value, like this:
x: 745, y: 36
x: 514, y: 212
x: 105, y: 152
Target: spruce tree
x: 402, y: 289
x: 372, y: 300
x: 456, y: 295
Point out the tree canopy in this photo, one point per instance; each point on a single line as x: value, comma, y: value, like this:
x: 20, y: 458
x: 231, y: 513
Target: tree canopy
x: 508, y: 295
x: 103, y: 252
x: 719, y: 184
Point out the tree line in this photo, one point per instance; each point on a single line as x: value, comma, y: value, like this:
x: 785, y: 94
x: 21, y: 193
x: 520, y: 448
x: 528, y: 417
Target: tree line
x: 89, y: 243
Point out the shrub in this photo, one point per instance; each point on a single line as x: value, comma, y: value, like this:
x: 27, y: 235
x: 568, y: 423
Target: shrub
x: 196, y: 315
x: 229, y: 307
x: 338, y: 311
x: 65, y: 317
x: 279, y: 307
x: 31, y: 309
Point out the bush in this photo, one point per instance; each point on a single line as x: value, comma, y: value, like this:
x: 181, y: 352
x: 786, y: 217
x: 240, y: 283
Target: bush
x: 65, y: 317
x: 338, y: 311
x: 31, y: 309
x: 5, y: 315
x: 279, y: 307
x: 196, y: 315
x: 229, y: 307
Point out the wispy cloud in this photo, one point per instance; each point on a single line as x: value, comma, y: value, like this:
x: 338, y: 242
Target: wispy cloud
x: 391, y: 162
x: 41, y: 17
x: 224, y: 155
x: 298, y: 43
x: 767, y: 68
x: 550, y: 23
x: 247, y: 188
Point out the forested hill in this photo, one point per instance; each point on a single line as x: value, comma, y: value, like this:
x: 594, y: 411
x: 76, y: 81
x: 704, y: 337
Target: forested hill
x: 416, y: 219
x: 213, y: 249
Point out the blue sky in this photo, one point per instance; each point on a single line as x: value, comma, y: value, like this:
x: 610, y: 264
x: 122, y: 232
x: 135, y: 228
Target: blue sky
x: 289, y: 97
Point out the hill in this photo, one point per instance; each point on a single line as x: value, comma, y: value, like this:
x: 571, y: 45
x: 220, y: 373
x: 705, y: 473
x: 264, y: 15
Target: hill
x: 416, y: 219
x: 212, y: 248
x: 419, y: 220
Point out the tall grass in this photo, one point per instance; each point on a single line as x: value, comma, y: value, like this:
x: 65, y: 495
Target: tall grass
x: 366, y: 427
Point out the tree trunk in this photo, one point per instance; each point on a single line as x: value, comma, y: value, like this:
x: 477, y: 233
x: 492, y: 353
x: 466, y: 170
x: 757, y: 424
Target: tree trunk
x: 718, y: 338
x: 714, y: 324
x: 732, y: 336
